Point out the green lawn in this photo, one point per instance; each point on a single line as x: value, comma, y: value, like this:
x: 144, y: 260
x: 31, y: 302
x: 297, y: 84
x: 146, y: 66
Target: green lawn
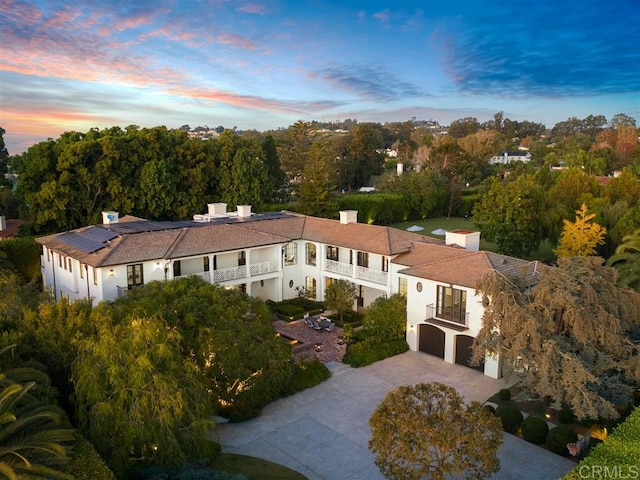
x: 543, y: 253
x: 254, y: 468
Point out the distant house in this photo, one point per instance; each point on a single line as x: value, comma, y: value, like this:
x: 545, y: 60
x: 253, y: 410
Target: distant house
x: 9, y: 228
x: 508, y: 157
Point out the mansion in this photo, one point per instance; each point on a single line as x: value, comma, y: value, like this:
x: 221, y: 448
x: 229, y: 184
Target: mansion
x: 276, y: 255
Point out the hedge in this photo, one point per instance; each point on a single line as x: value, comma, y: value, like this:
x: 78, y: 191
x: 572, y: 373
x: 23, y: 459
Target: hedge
x: 306, y: 375
x: 619, y: 454
x: 534, y: 429
x: 376, y: 208
x: 558, y: 438
x: 85, y: 463
x: 510, y: 416
x: 366, y: 352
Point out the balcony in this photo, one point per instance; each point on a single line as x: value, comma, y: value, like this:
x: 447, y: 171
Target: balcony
x: 263, y: 267
x: 375, y: 276
x: 338, y: 267
x: 226, y: 274
x: 448, y: 317
x: 361, y: 273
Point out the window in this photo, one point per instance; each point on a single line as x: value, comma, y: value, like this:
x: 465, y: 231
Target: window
x: 332, y: 253
x: 48, y: 255
x: 242, y: 258
x: 134, y: 276
x: 385, y: 264
x: 402, y: 286
x: 419, y: 287
x: 350, y: 257
x: 60, y: 261
x: 82, y: 267
x: 310, y: 284
x: 363, y: 259
x: 95, y: 276
x: 70, y: 265
x: 205, y: 263
x: 310, y: 253
x: 177, y: 268
x: 452, y: 304
x: 290, y: 254
x: 215, y: 262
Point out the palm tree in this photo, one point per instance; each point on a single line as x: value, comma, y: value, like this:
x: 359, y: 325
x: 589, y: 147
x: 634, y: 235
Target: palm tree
x: 32, y: 442
x: 627, y: 261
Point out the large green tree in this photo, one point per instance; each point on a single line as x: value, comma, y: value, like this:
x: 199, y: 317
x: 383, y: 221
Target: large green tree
x: 229, y: 335
x: 339, y: 296
x: 140, y: 400
x: 568, y: 335
x: 426, y: 431
x: 509, y: 214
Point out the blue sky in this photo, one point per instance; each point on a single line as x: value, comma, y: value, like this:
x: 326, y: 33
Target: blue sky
x: 261, y: 65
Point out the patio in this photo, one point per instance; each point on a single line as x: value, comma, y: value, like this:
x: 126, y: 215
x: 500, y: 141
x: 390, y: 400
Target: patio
x: 324, y: 345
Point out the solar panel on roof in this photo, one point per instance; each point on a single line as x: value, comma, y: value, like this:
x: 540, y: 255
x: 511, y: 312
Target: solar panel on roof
x: 80, y: 242
x: 98, y: 234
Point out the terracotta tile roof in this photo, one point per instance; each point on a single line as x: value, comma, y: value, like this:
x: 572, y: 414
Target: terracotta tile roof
x: 361, y: 236
x: 467, y: 267
x: 11, y: 229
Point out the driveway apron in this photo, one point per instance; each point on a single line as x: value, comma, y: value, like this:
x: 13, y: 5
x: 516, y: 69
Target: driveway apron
x: 323, y: 431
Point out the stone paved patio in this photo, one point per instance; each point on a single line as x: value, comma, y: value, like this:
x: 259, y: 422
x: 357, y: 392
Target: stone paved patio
x: 326, y: 346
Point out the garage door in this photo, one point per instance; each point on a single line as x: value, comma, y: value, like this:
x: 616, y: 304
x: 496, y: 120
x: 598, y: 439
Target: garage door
x: 463, y: 352
x: 432, y: 340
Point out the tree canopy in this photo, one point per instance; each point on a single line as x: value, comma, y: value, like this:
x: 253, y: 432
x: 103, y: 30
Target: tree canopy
x: 426, y: 431
x: 580, y: 238
x: 567, y: 335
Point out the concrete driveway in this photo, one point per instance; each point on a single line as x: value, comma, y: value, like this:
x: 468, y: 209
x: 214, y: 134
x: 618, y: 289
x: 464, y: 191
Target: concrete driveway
x: 323, y: 432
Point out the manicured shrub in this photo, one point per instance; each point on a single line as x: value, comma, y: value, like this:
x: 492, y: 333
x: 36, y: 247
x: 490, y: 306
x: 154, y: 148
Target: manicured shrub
x: 192, y: 471
x: 566, y: 416
x: 306, y: 375
x: 366, y: 352
x: 85, y: 463
x: 489, y: 409
x: 558, y: 438
x: 511, y: 417
x: 534, y: 429
x: 504, y: 394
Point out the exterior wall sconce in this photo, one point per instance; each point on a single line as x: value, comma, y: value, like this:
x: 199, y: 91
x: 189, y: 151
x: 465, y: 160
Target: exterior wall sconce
x: 111, y: 272
x: 412, y: 328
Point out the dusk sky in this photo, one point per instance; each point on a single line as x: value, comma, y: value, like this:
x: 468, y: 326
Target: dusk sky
x: 263, y: 65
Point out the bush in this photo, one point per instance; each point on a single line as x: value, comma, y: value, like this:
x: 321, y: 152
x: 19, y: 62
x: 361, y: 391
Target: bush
x: 504, y: 394
x: 566, y: 416
x: 85, y: 463
x: 534, y: 429
x: 511, y: 417
x: 558, y: 438
x: 490, y: 410
x: 351, y: 318
x: 306, y: 375
x: 366, y: 352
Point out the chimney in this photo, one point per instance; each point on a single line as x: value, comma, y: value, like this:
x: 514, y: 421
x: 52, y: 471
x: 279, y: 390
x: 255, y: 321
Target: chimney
x: 217, y: 209
x: 3, y: 223
x: 109, y: 217
x: 463, y: 238
x: 244, y: 211
x: 348, y: 216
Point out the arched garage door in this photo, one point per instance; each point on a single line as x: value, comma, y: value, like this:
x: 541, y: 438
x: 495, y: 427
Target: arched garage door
x: 463, y: 352
x: 432, y: 340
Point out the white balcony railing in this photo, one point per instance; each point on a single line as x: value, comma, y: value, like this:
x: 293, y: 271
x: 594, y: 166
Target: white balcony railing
x: 263, y: 267
x: 206, y: 276
x: 338, y: 267
x: 226, y: 274
x: 376, y: 276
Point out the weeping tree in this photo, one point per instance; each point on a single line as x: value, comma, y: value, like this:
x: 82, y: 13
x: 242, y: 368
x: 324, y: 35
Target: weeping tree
x: 569, y: 335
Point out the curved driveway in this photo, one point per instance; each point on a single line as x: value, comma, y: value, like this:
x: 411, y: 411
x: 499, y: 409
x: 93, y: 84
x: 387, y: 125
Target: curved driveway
x: 323, y: 431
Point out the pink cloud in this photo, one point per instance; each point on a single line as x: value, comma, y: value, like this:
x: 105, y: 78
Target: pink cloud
x: 253, y: 8
x: 383, y: 16
x: 235, y: 41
